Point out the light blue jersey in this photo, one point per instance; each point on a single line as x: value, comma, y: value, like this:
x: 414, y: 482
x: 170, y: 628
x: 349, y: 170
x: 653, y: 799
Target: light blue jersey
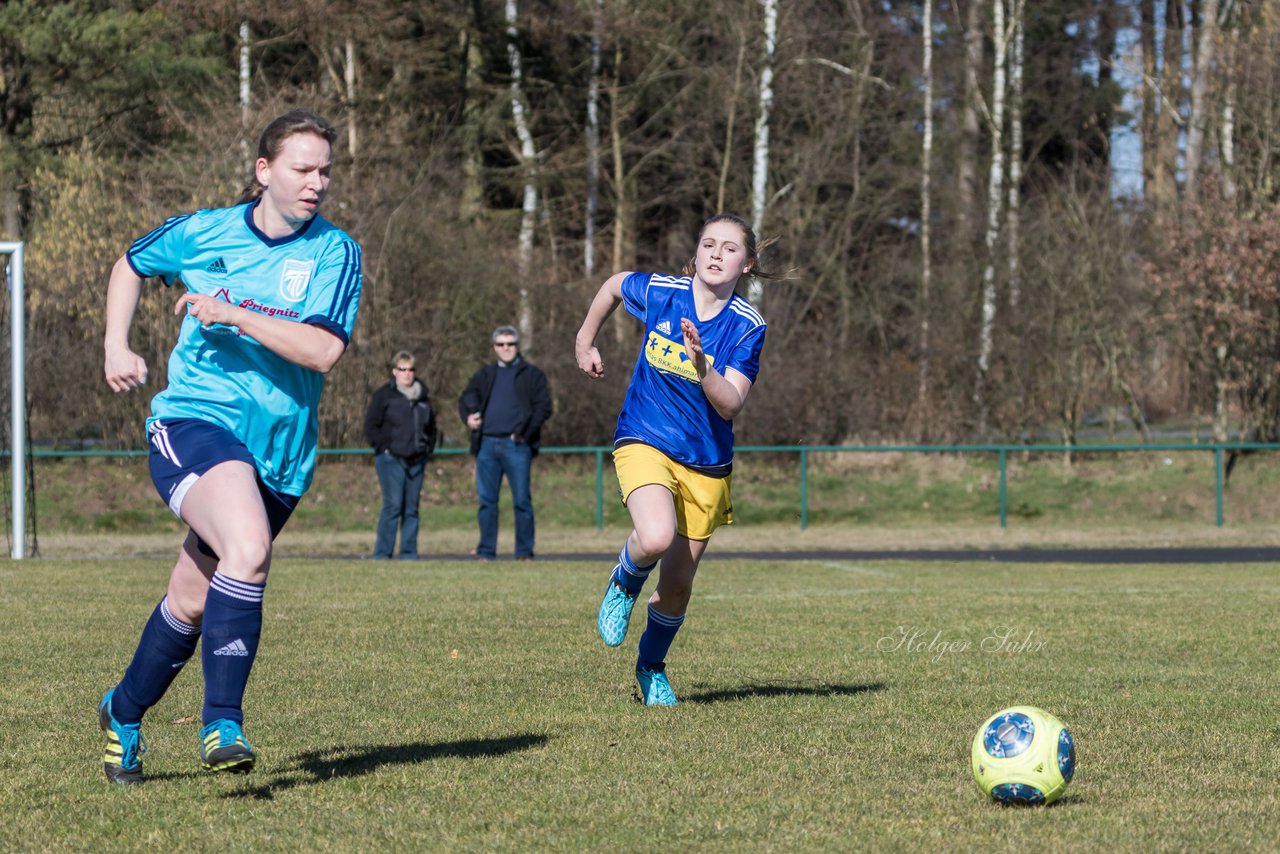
x: 665, y: 406
x: 220, y: 375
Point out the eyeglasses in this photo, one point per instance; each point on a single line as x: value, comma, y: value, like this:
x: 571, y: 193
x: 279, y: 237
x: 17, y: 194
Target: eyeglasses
x: 505, y: 343
x: 407, y: 370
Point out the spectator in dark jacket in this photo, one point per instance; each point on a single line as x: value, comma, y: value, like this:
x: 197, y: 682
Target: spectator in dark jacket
x: 401, y: 427
x: 505, y: 405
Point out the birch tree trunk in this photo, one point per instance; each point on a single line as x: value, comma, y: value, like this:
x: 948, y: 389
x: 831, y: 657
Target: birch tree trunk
x: 246, y: 151
x: 593, y: 143
x: 528, y: 155
x: 995, y: 194
x: 760, y: 166
x: 1015, y: 153
x: 1227, y: 143
x: 1203, y: 67
x: 349, y: 83
x: 926, y: 227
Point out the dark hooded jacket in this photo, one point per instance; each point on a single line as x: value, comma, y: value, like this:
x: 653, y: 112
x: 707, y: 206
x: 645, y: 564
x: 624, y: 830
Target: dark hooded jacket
x: 406, y: 428
x: 533, y: 401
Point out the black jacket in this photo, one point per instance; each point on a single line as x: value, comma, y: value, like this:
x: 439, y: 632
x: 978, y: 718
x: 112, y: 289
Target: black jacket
x: 406, y: 428
x: 533, y: 401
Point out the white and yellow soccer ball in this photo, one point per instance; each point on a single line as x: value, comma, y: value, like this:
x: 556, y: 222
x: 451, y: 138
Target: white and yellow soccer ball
x: 1023, y: 755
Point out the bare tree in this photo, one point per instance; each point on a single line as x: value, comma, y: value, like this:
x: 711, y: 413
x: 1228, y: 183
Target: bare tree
x: 760, y: 160
x: 528, y: 157
x: 1227, y: 126
x: 349, y: 96
x: 471, y: 200
x: 1015, y: 152
x: 726, y: 155
x: 1162, y: 190
x: 1201, y: 70
x: 970, y: 121
x: 926, y: 225
x: 593, y: 143
x: 246, y: 90
x: 995, y: 194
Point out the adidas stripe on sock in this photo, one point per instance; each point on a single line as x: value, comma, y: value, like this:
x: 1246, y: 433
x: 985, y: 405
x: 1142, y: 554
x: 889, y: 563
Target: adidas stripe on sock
x: 657, y: 638
x: 232, y: 627
x: 628, y: 575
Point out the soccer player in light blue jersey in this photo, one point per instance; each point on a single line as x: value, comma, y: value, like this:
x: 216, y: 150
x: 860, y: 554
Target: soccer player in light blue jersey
x: 270, y: 296
x: 673, y: 448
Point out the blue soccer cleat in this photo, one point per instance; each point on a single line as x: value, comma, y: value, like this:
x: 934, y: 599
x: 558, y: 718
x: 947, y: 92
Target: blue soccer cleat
x: 223, y: 747
x: 615, y: 613
x: 655, y: 690
x: 121, y: 759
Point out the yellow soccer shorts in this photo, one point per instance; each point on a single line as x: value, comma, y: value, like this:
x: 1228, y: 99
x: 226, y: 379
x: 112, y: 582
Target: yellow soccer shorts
x: 702, y: 502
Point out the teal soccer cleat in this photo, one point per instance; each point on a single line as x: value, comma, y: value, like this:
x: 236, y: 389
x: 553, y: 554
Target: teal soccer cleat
x: 124, y: 745
x: 655, y: 690
x: 223, y: 747
x: 615, y: 613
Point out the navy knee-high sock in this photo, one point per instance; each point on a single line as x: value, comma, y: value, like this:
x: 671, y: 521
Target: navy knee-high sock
x: 232, y: 626
x: 629, y: 575
x: 657, y: 638
x: 166, y: 644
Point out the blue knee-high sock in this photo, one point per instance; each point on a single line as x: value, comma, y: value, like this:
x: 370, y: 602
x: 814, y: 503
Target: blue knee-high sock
x: 232, y: 626
x: 166, y: 644
x: 629, y: 576
x: 657, y: 638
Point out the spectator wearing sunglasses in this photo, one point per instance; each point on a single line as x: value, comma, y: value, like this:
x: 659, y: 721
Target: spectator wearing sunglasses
x: 401, y: 426
x: 505, y: 405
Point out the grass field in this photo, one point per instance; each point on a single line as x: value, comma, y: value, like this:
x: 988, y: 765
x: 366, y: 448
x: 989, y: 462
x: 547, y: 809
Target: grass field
x: 461, y: 706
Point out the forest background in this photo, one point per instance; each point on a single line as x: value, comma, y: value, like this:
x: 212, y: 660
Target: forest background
x: 939, y: 178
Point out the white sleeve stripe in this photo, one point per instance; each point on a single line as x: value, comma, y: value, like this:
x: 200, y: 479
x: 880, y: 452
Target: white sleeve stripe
x: 747, y: 310
x: 680, y: 283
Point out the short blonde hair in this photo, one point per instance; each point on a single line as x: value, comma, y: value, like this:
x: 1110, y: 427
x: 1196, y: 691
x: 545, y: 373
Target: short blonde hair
x: 401, y: 357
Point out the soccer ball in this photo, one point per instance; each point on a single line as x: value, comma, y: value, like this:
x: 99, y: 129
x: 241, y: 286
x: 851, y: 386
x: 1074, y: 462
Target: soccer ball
x: 1023, y: 755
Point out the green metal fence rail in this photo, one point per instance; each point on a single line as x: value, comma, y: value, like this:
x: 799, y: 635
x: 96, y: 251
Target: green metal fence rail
x: 1002, y: 452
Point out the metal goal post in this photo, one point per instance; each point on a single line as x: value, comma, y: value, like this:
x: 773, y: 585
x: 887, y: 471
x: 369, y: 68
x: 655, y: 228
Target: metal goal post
x: 16, y: 280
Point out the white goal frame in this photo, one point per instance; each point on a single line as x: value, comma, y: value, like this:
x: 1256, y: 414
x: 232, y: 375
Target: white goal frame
x: 15, y: 277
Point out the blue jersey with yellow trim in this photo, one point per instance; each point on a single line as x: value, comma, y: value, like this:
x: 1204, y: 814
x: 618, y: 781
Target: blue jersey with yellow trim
x: 219, y: 374
x: 665, y: 406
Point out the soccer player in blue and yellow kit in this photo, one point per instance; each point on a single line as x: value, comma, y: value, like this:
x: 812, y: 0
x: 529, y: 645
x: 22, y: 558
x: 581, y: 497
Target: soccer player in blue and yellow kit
x: 271, y: 293
x: 673, y: 448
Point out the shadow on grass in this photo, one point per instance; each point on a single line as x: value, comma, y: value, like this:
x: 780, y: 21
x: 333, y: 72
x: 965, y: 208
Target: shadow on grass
x: 319, y: 766
x: 780, y: 689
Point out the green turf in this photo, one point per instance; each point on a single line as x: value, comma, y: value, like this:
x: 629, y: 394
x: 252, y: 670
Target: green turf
x: 804, y: 723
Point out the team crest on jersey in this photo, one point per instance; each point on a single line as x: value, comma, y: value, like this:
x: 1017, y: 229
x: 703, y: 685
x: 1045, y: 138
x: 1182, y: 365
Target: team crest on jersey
x: 294, y: 279
x: 664, y: 327
x: 669, y: 357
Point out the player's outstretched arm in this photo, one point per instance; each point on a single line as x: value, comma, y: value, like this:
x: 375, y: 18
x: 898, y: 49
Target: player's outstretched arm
x: 124, y: 369
x: 602, y: 305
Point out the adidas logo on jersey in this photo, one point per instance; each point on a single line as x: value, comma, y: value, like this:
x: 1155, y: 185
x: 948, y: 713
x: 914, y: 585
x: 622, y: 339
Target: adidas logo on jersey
x: 664, y: 327
x: 236, y: 647
x: 218, y: 268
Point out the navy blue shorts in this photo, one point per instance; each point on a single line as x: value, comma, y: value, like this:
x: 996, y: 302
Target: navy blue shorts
x: 185, y: 448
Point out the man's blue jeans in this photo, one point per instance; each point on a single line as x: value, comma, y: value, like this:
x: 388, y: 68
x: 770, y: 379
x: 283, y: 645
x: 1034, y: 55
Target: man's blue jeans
x: 401, y: 486
x: 501, y: 455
